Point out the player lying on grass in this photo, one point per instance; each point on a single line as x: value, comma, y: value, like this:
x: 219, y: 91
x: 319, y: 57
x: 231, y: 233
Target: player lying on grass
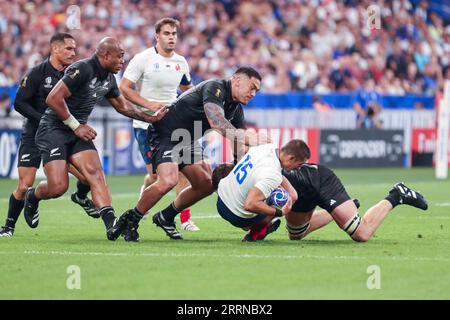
x: 243, y: 189
x: 317, y: 185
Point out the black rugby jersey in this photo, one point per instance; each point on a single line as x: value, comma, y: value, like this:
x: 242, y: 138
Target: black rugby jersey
x: 32, y: 92
x: 188, y: 109
x: 88, y: 82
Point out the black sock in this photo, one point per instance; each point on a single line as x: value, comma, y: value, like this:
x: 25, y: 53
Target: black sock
x: 135, y: 215
x: 170, y: 212
x: 15, y: 207
x: 393, y: 197
x: 82, y: 190
x: 32, y: 196
x: 108, y: 216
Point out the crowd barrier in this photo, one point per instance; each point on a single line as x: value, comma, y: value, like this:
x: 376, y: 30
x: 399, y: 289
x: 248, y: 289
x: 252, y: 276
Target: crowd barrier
x: 120, y: 154
x: 334, y: 148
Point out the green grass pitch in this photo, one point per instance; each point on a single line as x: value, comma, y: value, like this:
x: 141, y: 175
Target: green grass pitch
x: 411, y: 250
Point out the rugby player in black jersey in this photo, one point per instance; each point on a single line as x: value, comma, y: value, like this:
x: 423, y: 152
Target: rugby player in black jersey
x: 30, y: 102
x: 317, y: 185
x: 64, y: 135
x: 212, y: 104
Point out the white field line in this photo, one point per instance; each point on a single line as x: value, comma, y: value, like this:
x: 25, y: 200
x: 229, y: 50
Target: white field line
x: 442, y: 204
x: 204, y: 215
x: 222, y: 256
x: 114, y: 196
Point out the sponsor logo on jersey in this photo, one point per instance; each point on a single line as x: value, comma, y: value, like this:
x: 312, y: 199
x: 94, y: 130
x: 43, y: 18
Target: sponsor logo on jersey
x: 177, y: 67
x: 218, y: 93
x: 24, y: 157
x: 48, y: 83
x: 53, y: 154
x: 74, y: 74
x: 24, y: 82
x: 93, y: 81
x: 167, y: 154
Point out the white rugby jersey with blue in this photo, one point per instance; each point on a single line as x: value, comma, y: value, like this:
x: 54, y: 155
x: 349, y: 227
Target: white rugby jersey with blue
x: 260, y: 167
x: 156, y: 77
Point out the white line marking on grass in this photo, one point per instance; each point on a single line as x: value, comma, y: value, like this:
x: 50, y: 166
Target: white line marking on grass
x: 442, y: 204
x: 429, y: 217
x: 239, y: 256
x: 114, y: 196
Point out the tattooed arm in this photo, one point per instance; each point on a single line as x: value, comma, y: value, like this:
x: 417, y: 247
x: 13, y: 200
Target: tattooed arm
x: 218, y: 122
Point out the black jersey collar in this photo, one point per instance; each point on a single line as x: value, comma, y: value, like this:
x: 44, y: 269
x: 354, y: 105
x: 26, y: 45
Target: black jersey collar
x: 102, y: 72
x: 52, y: 68
x: 229, y: 97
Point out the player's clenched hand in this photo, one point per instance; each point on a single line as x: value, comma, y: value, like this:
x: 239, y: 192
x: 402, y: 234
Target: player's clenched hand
x: 287, y: 207
x: 154, y: 106
x: 85, y: 132
x: 158, y: 115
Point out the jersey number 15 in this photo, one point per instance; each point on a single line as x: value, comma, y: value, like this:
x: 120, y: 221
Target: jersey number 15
x: 241, y: 171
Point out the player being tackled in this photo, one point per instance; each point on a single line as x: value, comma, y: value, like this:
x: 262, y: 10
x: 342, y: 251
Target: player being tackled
x: 317, y: 185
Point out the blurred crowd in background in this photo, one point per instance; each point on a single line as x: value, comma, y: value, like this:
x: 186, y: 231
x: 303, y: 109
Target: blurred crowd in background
x: 320, y: 46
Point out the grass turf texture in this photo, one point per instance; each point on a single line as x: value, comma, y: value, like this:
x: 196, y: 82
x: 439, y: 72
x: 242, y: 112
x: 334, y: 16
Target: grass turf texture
x: 411, y: 248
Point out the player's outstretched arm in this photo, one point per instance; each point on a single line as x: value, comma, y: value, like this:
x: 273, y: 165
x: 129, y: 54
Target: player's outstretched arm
x: 122, y: 106
x: 129, y: 92
x: 218, y: 122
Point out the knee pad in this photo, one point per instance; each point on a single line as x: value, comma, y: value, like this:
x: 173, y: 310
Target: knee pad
x: 352, y: 224
x: 298, y: 232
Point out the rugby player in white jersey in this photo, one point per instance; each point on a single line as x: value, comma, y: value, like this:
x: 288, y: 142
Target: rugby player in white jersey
x: 242, y: 189
x: 155, y: 74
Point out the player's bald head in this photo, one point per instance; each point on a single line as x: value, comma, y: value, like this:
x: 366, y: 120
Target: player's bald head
x: 110, y: 54
x: 108, y: 45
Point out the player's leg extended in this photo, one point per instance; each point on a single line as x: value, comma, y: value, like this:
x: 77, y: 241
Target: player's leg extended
x: 300, y: 224
x: 27, y: 176
x: 360, y: 229
x: 167, y: 178
x: 149, y: 178
x: 88, y: 163
x: 55, y: 186
x: 80, y: 196
x: 57, y: 181
x: 199, y: 176
x: 185, y: 215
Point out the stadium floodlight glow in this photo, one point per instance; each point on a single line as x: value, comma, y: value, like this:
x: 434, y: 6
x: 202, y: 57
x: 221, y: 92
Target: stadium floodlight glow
x: 442, y: 134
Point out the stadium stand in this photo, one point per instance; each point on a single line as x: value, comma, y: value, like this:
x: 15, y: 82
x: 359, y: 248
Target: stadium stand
x: 319, y: 46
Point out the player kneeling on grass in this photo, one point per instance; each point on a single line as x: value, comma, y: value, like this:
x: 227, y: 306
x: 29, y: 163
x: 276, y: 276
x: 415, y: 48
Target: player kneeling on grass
x: 243, y: 189
x: 317, y: 185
